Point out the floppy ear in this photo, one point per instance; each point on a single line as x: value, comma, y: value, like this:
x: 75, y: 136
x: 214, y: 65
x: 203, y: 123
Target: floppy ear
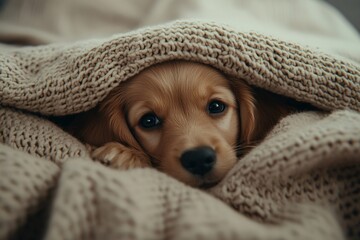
x: 105, y: 123
x: 259, y: 110
x: 247, y: 112
x: 114, y: 110
x: 270, y: 108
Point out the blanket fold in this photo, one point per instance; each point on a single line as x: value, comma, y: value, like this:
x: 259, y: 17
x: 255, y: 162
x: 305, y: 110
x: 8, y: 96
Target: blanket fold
x: 64, y: 79
x: 301, y: 182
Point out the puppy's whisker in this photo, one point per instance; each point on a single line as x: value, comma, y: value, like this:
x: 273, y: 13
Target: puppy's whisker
x: 250, y: 144
x: 241, y: 149
x: 245, y: 146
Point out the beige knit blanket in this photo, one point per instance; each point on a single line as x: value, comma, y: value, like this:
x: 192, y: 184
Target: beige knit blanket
x: 301, y: 182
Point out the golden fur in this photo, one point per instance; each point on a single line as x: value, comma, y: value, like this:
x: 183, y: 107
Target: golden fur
x: 179, y: 94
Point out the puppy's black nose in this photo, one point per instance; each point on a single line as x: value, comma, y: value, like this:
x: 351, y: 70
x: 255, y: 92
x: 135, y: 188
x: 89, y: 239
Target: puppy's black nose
x: 199, y: 160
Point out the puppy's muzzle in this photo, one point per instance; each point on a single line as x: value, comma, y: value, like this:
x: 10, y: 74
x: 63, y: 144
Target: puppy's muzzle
x: 199, y: 160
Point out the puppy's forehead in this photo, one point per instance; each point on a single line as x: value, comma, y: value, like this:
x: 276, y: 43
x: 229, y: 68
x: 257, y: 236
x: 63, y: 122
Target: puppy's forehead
x: 183, y: 80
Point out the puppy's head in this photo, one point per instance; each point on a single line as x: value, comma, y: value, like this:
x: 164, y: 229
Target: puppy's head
x: 185, y: 116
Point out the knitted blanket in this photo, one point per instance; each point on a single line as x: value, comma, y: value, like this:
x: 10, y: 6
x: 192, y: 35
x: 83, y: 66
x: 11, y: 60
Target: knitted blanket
x: 301, y: 182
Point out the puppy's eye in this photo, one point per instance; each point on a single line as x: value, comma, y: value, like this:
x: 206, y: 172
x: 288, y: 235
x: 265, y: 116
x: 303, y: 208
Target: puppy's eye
x: 216, y: 107
x: 149, y: 121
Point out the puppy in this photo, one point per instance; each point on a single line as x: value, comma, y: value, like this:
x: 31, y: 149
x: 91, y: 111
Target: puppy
x: 184, y: 118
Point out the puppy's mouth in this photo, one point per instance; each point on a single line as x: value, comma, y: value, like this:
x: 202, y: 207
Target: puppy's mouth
x: 207, y: 181
x: 206, y: 185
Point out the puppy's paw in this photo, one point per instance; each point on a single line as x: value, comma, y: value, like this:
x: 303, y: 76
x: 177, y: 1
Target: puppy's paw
x: 118, y: 156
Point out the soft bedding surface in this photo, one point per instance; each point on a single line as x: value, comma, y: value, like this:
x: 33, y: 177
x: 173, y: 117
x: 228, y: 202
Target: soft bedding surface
x: 301, y: 182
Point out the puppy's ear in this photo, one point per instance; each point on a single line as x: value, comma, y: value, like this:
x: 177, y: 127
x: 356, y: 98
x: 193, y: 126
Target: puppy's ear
x: 90, y: 127
x: 270, y: 108
x: 114, y: 107
x: 114, y: 110
x: 259, y: 110
x: 247, y: 110
x: 105, y: 123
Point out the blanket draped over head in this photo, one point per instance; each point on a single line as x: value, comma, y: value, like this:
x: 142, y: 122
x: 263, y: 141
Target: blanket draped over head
x: 301, y: 182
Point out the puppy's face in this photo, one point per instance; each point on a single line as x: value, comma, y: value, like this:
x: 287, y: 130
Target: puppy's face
x: 184, y: 116
x: 187, y: 118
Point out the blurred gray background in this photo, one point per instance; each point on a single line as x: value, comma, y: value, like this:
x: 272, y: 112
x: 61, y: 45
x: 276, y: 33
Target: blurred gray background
x: 350, y: 9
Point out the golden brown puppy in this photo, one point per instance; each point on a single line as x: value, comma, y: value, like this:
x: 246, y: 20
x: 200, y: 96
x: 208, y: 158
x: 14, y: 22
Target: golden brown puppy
x: 184, y: 118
